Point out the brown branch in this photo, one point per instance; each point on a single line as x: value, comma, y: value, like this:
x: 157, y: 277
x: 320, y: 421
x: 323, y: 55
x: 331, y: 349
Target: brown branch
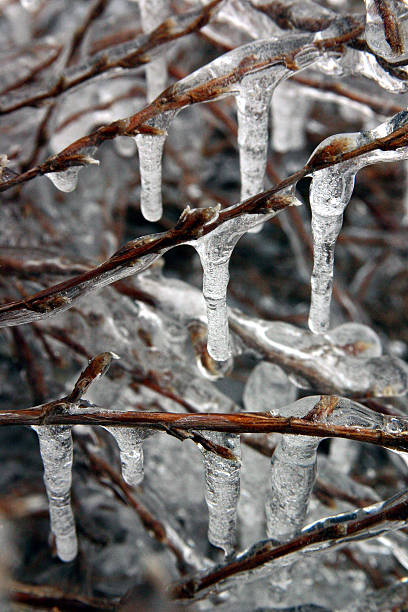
x: 56, y: 412
x: 53, y: 597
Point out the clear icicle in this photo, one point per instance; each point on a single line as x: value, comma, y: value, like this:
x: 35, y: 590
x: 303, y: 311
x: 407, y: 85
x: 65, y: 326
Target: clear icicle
x: 253, y: 102
x: 153, y: 13
x: 222, y: 486
x: 330, y: 192
x: 56, y: 453
x: 292, y: 478
x: 289, y: 111
x: 253, y: 111
x: 67, y: 180
x: 387, y: 29
x: 150, y: 149
x: 215, y: 250
x: 130, y: 442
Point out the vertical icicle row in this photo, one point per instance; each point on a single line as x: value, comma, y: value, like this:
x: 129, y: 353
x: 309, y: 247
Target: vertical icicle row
x: 292, y: 478
x: 153, y: 13
x: 222, y: 487
x: 130, y: 443
x: 150, y: 148
x: 56, y: 452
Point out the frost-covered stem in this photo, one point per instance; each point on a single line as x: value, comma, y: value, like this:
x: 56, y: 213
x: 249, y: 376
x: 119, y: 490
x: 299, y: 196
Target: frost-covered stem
x: 56, y: 452
x: 222, y: 486
x: 292, y: 478
x: 325, y: 233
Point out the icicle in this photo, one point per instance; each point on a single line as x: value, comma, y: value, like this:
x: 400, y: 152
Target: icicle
x: 56, y: 453
x: 222, y: 485
x: 330, y: 192
x: 253, y: 102
x: 67, y: 180
x: 150, y: 159
x: 253, y: 110
x: 130, y: 442
x: 387, y: 29
x: 289, y: 110
x: 292, y: 478
x: 153, y: 13
x: 215, y: 250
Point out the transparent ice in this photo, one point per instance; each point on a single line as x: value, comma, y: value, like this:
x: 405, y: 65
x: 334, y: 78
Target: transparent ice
x: 56, y: 450
x: 222, y: 486
x: 330, y: 192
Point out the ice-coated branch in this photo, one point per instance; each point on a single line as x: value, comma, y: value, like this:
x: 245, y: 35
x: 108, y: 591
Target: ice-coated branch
x: 134, y: 257
x: 348, y: 419
x: 264, y: 557
x: 124, y: 56
x: 219, y: 78
x: 347, y: 360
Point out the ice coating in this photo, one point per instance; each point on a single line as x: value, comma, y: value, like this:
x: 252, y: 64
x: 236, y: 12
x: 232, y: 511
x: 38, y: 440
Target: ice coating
x: 346, y: 360
x: 222, y: 486
x: 130, y: 443
x: 215, y: 250
x: 268, y: 387
x: 387, y: 28
x: 56, y: 453
x: 330, y: 192
x: 153, y: 13
x: 150, y: 150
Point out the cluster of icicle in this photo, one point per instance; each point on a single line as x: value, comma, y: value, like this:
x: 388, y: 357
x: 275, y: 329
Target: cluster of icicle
x: 294, y: 461
x: 331, y: 187
x: 293, y: 470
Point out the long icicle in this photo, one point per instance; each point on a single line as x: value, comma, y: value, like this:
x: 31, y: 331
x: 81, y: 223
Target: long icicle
x: 222, y: 487
x: 330, y: 192
x: 56, y: 450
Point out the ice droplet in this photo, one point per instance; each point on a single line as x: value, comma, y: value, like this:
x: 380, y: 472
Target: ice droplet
x: 222, y: 486
x: 150, y: 149
x: 67, y: 180
x: 56, y: 453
